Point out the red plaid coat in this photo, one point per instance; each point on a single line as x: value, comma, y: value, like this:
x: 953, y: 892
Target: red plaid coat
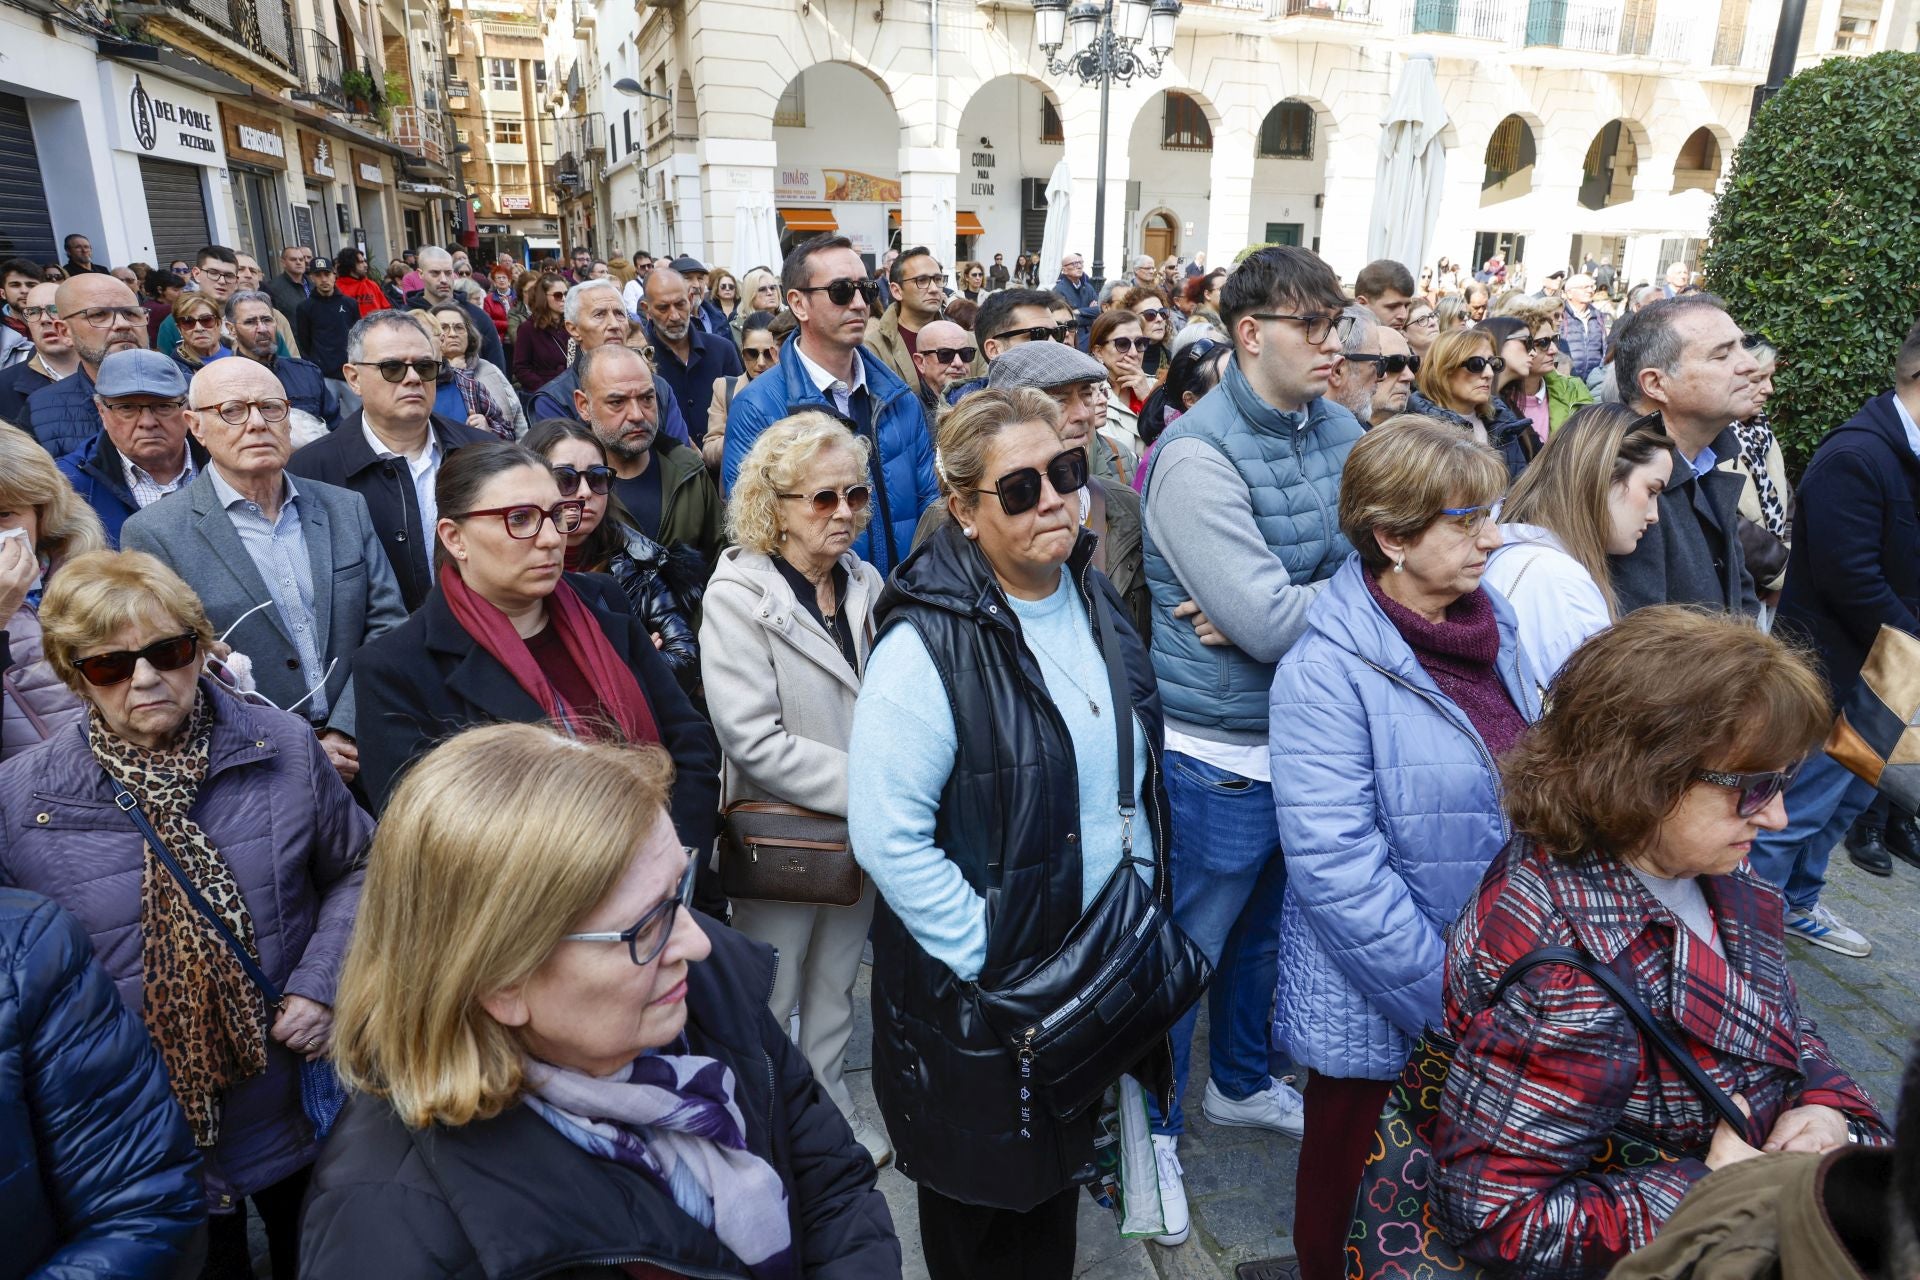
x: 1541, y: 1079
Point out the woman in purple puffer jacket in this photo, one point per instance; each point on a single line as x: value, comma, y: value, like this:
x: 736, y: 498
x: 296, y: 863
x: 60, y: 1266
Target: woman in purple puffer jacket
x: 54, y: 526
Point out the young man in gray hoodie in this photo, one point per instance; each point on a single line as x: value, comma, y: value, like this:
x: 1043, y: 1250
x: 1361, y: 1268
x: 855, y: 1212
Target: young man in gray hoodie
x: 1242, y: 531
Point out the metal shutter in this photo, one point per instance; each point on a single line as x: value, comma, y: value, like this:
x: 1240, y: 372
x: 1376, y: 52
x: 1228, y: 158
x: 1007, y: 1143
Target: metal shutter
x: 176, y: 208
x: 25, y: 229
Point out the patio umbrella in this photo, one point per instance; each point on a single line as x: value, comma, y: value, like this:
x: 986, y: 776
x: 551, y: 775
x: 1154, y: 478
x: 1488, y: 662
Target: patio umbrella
x: 756, y: 241
x: 1053, y: 241
x: 1406, y: 189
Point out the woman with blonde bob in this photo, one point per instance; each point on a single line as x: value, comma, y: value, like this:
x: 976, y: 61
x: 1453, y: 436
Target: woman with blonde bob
x: 1456, y: 381
x: 1593, y: 492
x: 786, y: 631
x: 591, y: 1082
x: 55, y: 526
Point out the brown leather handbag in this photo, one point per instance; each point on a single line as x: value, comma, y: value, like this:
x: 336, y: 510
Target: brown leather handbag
x: 772, y: 852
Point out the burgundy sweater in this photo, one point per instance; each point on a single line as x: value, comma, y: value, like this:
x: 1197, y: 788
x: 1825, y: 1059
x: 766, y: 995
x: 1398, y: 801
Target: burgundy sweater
x: 1459, y: 654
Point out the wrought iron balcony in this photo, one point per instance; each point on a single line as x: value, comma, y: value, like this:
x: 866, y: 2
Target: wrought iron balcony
x: 1584, y: 25
x: 263, y: 28
x: 576, y: 138
x: 320, y: 70
x: 420, y: 131
x: 1336, y: 10
x: 1474, y: 19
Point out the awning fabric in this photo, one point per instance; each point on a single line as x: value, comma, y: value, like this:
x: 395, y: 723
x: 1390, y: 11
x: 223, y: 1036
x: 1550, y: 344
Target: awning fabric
x: 809, y: 220
x: 967, y: 224
x: 893, y: 219
x: 542, y: 242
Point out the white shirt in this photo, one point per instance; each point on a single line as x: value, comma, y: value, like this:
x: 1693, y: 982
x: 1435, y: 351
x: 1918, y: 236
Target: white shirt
x: 835, y: 389
x: 633, y: 295
x: 1556, y: 605
x: 1906, y: 421
x: 424, y: 467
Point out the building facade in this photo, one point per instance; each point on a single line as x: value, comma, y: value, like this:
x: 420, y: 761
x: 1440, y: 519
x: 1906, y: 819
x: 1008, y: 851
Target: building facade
x: 1575, y: 129
x: 503, y: 112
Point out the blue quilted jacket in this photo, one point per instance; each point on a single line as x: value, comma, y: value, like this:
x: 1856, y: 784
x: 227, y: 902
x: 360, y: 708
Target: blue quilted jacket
x: 98, y: 1175
x: 1389, y: 812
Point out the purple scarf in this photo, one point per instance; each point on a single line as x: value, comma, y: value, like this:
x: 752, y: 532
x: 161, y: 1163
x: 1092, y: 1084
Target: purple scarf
x: 1461, y: 654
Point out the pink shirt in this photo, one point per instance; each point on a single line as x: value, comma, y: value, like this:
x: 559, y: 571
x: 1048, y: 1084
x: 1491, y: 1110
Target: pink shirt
x: 1535, y: 407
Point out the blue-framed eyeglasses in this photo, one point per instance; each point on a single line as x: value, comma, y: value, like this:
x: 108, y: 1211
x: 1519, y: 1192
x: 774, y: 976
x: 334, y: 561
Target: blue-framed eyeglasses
x: 648, y: 937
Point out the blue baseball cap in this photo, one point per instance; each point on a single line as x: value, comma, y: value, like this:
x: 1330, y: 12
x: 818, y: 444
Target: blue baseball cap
x: 140, y: 373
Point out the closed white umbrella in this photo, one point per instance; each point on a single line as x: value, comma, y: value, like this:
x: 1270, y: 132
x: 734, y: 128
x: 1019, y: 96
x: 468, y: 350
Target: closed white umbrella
x: 756, y: 241
x: 1053, y: 241
x: 1407, y: 181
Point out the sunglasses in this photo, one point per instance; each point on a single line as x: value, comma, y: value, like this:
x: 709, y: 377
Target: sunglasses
x: 1756, y: 790
x: 947, y: 355
x: 1480, y: 364
x: 840, y: 292
x: 827, y: 501
x: 1038, y: 333
x: 171, y: 654
x: 1019, y: 491
x: 524, y: 521
x: 1151, y: 313
x: 199, y: 322
x: 765, y: 355
x: 396, y: 370
x: 599, y: 479
x: 1127, y: 346
x: 1541, y: 345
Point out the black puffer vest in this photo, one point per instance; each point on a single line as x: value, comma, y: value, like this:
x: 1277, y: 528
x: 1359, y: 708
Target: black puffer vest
x: 1010, y: 820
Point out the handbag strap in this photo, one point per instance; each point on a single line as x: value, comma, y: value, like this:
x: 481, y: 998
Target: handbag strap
x: 124, y: 800
x: 1122, y: 717
x: 1629, y: 1001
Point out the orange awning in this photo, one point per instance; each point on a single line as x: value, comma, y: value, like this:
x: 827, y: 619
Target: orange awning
x: 815, y: 220
x: 967, y: 224
x: 893, y: 219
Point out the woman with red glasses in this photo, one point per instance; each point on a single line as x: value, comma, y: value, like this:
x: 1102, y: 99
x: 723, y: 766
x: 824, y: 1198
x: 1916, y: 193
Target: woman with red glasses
x: 247, y: 808
x: 507, y: 634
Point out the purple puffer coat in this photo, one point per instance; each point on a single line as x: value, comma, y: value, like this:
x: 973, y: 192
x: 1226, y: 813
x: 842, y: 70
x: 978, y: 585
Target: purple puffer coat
x: 34, y: 705
x: 297, y: 843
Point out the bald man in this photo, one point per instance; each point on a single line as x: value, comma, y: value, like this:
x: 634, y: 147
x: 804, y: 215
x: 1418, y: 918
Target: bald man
x: 944, y: 354
x: 299, y: 567
x: 101, y: 316
x: 685, y: 356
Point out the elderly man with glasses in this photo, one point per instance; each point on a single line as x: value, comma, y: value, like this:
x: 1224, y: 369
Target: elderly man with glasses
x: 142, y: 452
x: 102, y: 316
x: 291, y: 575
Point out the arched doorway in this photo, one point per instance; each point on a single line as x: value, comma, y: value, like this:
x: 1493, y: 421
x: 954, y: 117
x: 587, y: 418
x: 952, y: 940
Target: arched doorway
x: 837, y: 136
x: 1289, y: 174
x: 1010, y: 138
x: 1606, y: 176
x: 1170, y: 152
x: 1160, y: 235
x: 1697, y: 167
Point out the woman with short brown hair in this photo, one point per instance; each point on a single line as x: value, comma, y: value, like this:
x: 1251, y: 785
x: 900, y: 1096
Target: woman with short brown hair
x: 1664, y: 751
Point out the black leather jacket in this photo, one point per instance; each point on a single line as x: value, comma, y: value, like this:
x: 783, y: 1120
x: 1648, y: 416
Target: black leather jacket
x: 665, y: 588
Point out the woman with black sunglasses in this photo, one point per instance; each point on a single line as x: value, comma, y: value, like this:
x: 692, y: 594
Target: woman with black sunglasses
x: 508, y: 635
x: 985, y: 754
x: 251, y: 811
x: 663, y: 587
x: 1118, y: 343
x: 540, y: 343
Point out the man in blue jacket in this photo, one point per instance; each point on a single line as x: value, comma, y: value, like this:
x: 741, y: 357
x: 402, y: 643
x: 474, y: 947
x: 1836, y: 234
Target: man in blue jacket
x: 1854, y: 567
x: 142, y: 451
x: 1080, y: 293
x: 1242, y: 534
x: 104, y: 317
x: 824, y: 367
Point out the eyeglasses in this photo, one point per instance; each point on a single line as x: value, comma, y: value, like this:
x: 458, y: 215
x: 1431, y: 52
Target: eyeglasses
x: 599, y: 479
x: 840, y: 292
x: 1757, y: 790
x: 171, y: 654
x: 1038, y: 333
x: 217, y: 273
x: 947, y: 355
x: 396, y: 370
x: 198, y: 322
x: 1127, y: 346
x: 827, y: 501
x: 1541, y: 345
x: 524, y: 521
x: 1425, y: 317
x: 101, y: 317
x: 766, y: 355
x: 1469, y: 520
x: 1315, y: 327
x: 1480, y: 364
x: 128, y: 414
x: 648, y: 937
x: 1019, y: 491
x: 39, y: 313
x: 237, y: 413
x: 921, y: 282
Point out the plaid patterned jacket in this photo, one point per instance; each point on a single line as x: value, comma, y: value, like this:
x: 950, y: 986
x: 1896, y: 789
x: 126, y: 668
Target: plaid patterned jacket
x: 1540, y: 1080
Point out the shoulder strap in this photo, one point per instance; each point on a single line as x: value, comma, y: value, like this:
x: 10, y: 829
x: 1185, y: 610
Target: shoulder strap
x: 124, y: 799
x: 1122, y: 714
x: 1636, y: 1009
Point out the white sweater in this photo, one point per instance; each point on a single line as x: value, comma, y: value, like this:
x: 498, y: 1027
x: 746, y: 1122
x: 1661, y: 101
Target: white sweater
x: 1556, y: 601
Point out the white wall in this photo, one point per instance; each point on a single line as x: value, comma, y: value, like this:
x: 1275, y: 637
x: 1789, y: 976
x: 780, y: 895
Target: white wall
x: 1178, y: 181
x: 1007, y: 112
x: 1284, y: 191
x: 850, y: 125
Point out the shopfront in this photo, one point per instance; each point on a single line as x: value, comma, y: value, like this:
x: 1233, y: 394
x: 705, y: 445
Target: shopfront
x: 324, y: 219
x: 257, y: 169
x: 174, y: 136
x: 370, y: 191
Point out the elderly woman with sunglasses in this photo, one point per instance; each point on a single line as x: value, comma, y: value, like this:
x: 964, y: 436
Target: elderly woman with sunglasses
x: 590, y: 1084
x: 985, y: 753
x: 251, y: 811
x: 786, y: 632
x: 1388, y: 718
x: 507, y: 634
x: 202, y: 339
x: 1634, y: 801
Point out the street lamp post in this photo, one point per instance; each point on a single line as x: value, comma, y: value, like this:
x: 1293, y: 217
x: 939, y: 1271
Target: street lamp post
x: 1106, y: 36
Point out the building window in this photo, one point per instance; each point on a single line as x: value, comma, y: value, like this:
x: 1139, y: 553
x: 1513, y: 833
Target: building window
x: 1184, y: 127
x: 1050, y: 128
x: 540, y: 75
x: 1287, y: 134
x: 503, y: 74
x: 1854, y: 35
x: 791, y: 111
x: 508, y: 132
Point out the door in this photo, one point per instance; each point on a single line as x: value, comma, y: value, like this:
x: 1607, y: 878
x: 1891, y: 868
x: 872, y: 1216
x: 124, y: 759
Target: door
x: 1157, y: 241
x: 26, y: 230
x: 1284, y: 232
x: 176, y: 209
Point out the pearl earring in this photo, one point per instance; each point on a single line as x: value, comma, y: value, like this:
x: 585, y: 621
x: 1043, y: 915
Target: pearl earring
x: 969, y: 532
x: 1399, y: 566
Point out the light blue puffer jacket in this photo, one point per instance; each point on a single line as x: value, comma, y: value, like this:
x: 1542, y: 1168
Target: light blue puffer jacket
x: 1389, y: 811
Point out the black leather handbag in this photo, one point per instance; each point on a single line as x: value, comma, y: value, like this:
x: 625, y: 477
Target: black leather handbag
x: 772, y: 852
x: 1123, y: 976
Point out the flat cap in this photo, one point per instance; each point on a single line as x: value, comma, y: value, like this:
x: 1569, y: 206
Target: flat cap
x: 1044, y: 366
x: 687, y: 265
x: 139, y: 373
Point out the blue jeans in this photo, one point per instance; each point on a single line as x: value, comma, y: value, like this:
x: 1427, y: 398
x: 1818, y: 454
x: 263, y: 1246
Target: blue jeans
x: 1821, y: 804
x: 1228, y: 882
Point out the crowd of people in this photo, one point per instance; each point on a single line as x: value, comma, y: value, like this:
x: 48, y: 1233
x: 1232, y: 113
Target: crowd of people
x: 516, y: 702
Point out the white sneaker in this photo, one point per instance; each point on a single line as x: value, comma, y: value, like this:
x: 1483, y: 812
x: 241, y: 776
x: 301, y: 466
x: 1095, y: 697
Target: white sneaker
x: 1818, y: 925
x: 873, y: 1137
x: 1173, y: 1190
x: 1278, y: 1107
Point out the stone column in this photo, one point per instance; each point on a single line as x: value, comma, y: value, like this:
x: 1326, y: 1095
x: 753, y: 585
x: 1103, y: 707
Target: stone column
x: 727, y: 167
x: 1557, y: 176
x: 1352, y: 156
x: 1230, y: 200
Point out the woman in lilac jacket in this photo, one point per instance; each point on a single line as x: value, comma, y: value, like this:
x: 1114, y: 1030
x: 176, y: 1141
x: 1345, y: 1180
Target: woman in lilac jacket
x: 246, y: 802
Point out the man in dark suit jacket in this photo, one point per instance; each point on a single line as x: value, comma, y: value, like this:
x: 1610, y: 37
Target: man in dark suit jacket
x: 295, y: 572
x: 1684, y: 358
x: 1854, y: 568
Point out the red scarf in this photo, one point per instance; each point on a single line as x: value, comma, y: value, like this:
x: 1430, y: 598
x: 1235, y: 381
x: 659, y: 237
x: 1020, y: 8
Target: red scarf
x: 585, y: 643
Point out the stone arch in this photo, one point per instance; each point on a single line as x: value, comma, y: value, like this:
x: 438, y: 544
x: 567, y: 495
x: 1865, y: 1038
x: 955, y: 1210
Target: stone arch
x: 1512, y: 150
x: 1170, y: 146
x: 1008, y: 136
x: 1702, y: 159
x: 836, y: 132
x: 1290, y: 149
x: 1613, y: 158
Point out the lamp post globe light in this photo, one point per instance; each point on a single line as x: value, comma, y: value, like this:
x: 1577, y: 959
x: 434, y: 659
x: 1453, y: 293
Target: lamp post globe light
x: 1102, y: 44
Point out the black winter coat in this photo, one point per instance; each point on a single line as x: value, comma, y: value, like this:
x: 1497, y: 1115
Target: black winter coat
x: 427, y: 680
x: 665, y: 589
x: 321, y: 325
x: 1010, y: 820
x: 510, y: 1197
x: 1693, y: 555
x: 344, y: 458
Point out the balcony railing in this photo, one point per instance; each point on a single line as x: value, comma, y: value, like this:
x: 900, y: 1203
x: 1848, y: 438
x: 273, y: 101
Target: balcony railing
x: 1732, y: 48
x: 261, y: 27
x: 320, y: 70
x: 1564, y: 24
x: 1474, y: 19
x: 1337, y: 10
x: 577, y: 137
x: 420, y: 131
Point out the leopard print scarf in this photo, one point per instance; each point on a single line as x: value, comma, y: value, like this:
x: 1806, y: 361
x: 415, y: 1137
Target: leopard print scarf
x: 1756, y: 442
x: 206, y: 1016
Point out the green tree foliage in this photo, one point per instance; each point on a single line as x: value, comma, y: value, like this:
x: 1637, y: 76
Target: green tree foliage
x: 1816, y: 240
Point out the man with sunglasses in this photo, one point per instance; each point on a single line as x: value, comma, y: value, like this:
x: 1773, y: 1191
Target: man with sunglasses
x: 1008, y: 319
x: 52, y: 357
x: 917, y: 289
x: 1356, y: 376
x: 1399, y: 367
x: 686, y: 357
x: 102, y: 316
x: 389, y: 451
x: 1242, y: 533
x: 942, y: 356
x: 142, y: 452
x: 295, y: 572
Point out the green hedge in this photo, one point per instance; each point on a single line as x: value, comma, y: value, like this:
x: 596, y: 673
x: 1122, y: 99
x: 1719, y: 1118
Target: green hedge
x: 1816, y: 239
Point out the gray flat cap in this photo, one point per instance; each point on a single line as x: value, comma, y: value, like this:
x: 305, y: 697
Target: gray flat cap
x: 139, y: 373
x: 1044, y: 366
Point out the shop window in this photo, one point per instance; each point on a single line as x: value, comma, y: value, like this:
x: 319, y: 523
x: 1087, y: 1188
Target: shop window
x: 509, y: 132
x: 1050, y: 128
x: 1287, y: 134
x: 1184, y: 127
x: 503, y: 74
